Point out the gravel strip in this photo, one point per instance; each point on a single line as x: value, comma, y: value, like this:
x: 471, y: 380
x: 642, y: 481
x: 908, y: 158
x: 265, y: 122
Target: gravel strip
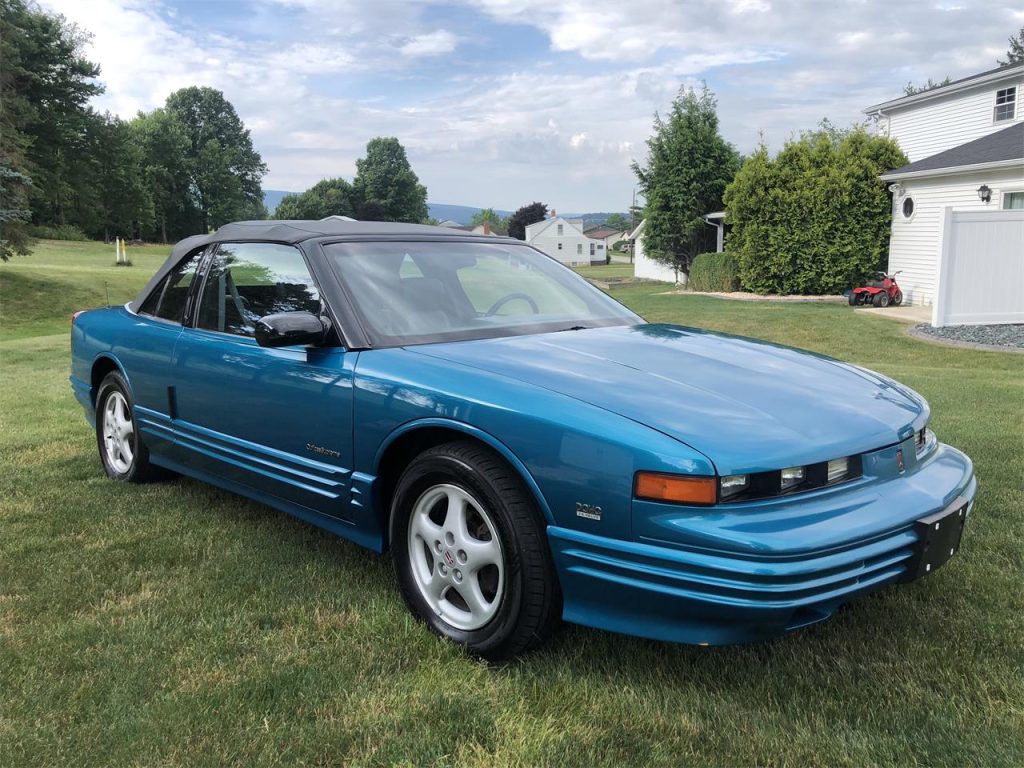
x: 1005, y: 337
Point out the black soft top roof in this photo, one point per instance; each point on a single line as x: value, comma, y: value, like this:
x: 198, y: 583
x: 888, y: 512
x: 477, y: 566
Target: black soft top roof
x: 291, y: 232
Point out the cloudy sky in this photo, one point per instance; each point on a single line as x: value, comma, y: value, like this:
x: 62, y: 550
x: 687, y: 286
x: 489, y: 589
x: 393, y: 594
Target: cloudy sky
x: 502, y: 102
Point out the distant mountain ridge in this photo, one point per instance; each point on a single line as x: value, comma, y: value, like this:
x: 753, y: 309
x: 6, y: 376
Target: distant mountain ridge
x: 462, y: 214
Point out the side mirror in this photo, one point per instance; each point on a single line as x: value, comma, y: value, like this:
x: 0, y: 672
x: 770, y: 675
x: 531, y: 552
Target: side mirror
x: 288, y: 329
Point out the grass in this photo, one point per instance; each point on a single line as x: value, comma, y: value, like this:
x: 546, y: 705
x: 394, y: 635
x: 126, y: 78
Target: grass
x: 175, y: 624
x: 38, y: 293
x: 603, y: 271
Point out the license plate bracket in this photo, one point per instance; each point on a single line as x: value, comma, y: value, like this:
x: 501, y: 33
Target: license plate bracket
x: 938, y: 539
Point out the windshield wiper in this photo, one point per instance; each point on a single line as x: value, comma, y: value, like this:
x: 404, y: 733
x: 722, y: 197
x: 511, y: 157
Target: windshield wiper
x: 574, y: 328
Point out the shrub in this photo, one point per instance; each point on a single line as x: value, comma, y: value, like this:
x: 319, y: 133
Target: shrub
x: 60, y: 232
x: 815, y: 219
x: 714, y: 272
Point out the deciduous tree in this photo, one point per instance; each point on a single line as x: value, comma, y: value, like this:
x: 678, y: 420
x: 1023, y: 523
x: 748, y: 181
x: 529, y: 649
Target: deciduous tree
x: 224, y: 170
x: 386, y: 186
x: 524, y: 217
x: 165, y: 145
x: 618, y: 221
x: 329, y: 197
x: 498, y: 224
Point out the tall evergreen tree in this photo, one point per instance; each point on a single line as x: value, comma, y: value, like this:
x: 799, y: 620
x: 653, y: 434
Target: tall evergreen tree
x: 45, y: 85
x: 1015, y: 53
x: 689, y: 165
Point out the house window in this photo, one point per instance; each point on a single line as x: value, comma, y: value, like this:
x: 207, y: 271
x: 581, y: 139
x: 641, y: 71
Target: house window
x: 1006, y: 104
x: 600, y: 246
x: 1013, y: 201
x: 591, y: 249
x: 579, y: 249
x: 559, y: 246
x: 559, y: 230
x: 907, y: 207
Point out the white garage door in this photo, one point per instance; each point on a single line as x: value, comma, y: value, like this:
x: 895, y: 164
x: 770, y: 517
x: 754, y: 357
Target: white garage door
x: 981, y: 268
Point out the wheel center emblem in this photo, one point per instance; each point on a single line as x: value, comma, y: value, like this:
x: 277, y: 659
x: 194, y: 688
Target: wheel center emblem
x: 448, y: 558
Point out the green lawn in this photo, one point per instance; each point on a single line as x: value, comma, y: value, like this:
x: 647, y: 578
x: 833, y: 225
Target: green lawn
x: 604, y: 271
x: 38, y: 293
x: 174, y: 624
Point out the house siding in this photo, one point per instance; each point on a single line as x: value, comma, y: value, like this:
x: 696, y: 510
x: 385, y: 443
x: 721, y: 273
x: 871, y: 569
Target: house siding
x: 915, y: 243
x: 934, y: 126
x: 547, y: 239
x: 648, y: 268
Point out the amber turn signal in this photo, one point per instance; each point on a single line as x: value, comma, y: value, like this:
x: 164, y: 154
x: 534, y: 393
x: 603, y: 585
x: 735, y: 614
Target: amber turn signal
x: 678, y: 489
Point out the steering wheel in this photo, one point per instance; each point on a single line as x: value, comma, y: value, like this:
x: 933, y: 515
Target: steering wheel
x: 512, y: 297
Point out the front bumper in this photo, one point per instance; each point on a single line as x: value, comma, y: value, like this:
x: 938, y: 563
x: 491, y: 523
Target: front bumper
x: 771, y: 569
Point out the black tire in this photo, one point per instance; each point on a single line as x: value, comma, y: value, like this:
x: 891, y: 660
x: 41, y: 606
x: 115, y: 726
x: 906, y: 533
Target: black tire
x: 882, y: 299
x: 897, y: 299
x: 853, y: 299
x: 528, y: 608
x: 138, y: 469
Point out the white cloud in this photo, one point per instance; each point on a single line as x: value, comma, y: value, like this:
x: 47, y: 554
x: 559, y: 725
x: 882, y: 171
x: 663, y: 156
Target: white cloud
x: 430, y: 44
x: 561, y: 126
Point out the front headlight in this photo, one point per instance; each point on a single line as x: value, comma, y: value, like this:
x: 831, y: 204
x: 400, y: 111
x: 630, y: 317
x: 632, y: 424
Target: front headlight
x: 925, y: 441
x: 732, y: 485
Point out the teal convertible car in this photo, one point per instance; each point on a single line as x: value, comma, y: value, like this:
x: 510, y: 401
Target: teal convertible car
x: 526, y: 447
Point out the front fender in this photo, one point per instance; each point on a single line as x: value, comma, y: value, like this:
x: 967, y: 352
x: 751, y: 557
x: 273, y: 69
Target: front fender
x: 477, y: 433
x: 568, y: 452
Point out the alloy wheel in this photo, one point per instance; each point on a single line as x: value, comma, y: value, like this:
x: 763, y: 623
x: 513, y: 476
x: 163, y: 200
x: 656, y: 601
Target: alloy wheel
x: 118, y: 432
x: 456, y: 557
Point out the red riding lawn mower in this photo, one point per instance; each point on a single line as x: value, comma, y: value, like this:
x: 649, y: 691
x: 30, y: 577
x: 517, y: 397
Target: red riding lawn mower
x: 881, y: 293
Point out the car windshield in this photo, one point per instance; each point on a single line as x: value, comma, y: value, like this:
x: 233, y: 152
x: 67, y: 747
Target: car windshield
x: 424, y: 292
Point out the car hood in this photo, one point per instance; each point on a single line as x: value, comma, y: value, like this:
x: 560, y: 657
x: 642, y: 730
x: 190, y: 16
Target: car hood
x: 747, y: 405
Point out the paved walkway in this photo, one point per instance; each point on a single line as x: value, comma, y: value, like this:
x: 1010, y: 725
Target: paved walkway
x: 915, y: 313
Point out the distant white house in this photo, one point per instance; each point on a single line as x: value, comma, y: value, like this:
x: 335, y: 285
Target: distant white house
x: 564, y: 240
x: 608, y: 235
x: 958, y: 206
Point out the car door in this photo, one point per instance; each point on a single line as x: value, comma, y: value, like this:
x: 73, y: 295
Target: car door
x: 277, y: 422
x: 147, y: 354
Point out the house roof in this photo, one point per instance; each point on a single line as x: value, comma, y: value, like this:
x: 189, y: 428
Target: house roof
x: 532, y: 230
x: 600, y: 232
x: 639, y: 229
x: 990, y: 75
x: 1005, y: 147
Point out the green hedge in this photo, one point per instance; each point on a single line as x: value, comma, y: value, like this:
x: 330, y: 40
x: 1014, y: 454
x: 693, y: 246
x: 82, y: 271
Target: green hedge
x: 815, y: 218
x: 714, y: 272
x: 65, y: 232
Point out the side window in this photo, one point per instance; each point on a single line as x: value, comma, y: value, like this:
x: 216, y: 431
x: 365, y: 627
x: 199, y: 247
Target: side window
x: 167, y: 301
x: 247, y: 281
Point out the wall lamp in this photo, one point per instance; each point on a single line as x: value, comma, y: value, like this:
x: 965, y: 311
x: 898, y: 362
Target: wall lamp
x: 984, y: 193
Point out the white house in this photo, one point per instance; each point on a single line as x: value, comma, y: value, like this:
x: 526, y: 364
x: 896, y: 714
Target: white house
x: 607, y: 235
x: 564, y: 240
x: 646, y: 267
x: 958, y: 206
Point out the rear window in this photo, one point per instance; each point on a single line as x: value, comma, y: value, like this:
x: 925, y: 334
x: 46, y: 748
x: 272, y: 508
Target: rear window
x: 168, y: 299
